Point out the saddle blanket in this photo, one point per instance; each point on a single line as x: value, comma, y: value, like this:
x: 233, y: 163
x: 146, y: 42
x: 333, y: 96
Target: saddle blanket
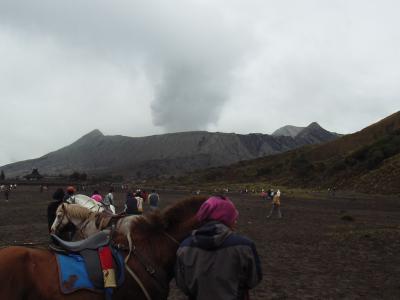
x: 74, y: 275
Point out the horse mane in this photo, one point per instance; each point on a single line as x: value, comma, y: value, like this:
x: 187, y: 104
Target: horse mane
x: 176, y: 214
x: 78, y: 211
x: 171, y: 218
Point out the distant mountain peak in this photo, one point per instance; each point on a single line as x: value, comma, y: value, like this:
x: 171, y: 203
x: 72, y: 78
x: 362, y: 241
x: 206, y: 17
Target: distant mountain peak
x: 314, y: 125
x: 94, y: 133
x: 288, y: 130
x: 90, y: 137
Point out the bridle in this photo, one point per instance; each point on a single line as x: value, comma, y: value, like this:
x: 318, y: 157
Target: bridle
x: 81, y: 226
x: 158, y: 275
x: 64, y: 215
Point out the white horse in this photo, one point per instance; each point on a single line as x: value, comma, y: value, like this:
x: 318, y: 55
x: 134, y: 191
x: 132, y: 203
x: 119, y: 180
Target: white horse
x: 89, y: 203
x: 86, y: 221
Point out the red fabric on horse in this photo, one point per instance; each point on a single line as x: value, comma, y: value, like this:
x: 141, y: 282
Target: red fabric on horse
x: 106, y: 261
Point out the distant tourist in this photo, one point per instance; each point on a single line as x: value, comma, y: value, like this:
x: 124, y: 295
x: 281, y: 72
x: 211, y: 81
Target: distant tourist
x: 276, y: 205
x: 131, y: 204
x: 264, y: 195
x: 139, y: 200
x: 332, y: 191
x: 58, y: 198
x: 69, y: 195
x: 270, y: 193
x: 97, y: 197
x: 109, y: 199
x: 7, y: 191
x: 154, y: 200
x: 144, y: 195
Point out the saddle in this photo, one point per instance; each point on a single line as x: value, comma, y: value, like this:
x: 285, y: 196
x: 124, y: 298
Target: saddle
x: 92, y: 263
x: 93, y: 242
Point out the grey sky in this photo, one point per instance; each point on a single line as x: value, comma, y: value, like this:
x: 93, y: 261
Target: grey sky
x: 146, y: 67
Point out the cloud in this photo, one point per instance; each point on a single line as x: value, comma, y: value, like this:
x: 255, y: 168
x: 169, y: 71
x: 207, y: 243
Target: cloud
x: 188, y: 56
x: 145, y: 67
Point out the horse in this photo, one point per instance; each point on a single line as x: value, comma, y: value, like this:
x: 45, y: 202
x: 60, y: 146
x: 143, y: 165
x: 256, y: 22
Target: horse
x: 90, y: 203
x: 86, y: 221
x: 147, y: 242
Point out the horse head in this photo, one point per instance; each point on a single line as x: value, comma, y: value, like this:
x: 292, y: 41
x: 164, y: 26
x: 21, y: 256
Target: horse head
x: 61, y: 219
x: 81, y: 217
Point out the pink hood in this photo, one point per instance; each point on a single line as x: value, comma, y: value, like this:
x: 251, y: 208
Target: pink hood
x: 218, y: 209
x: 97, y: 197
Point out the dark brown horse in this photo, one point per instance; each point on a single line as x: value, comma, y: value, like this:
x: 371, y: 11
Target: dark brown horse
x: 149, y: 244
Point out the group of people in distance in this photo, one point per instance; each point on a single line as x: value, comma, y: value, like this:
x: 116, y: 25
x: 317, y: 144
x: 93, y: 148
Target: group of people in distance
x: 6, y: 190
x: 134, y: 201
x: 213, y: 251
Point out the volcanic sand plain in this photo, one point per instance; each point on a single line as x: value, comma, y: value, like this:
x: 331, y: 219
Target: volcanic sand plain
x: 342, y: 247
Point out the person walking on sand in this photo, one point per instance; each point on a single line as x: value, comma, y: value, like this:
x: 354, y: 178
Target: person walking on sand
x: 7, y: 192
x: 58, y: 197
x: 214, y: 262
x: 276, y: 205
x: 153, y: 199
x: 139, y: 201
x: 108, y: 200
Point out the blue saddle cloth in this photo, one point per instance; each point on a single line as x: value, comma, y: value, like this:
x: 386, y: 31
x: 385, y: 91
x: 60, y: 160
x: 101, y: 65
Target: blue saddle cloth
x: 73, y: 274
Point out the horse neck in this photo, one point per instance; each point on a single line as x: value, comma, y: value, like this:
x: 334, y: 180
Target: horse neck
x: 160, y: 246
x: 77, y: 218
x: 88, y: 228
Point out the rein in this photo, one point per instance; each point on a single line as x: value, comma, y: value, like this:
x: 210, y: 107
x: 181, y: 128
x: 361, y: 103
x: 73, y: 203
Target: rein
x: 130, y: 271
x: 171, y: 238
x: 159, y: 277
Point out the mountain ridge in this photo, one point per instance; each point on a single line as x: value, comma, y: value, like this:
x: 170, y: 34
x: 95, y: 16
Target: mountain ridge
x: 173, y: 153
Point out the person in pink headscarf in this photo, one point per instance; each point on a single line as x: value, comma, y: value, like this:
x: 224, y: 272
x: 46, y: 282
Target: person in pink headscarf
x: 218, y: 208
x: 96, y: 196
x: 214, y: 249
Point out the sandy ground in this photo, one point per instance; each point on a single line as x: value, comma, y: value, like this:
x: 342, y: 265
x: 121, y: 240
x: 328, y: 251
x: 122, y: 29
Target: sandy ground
x: 311, y: 253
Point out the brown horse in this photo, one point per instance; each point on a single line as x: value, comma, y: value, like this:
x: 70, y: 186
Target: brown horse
x: 148, y: 243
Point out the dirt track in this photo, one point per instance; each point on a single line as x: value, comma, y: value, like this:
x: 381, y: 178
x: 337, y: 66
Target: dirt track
x: 312, y: 253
